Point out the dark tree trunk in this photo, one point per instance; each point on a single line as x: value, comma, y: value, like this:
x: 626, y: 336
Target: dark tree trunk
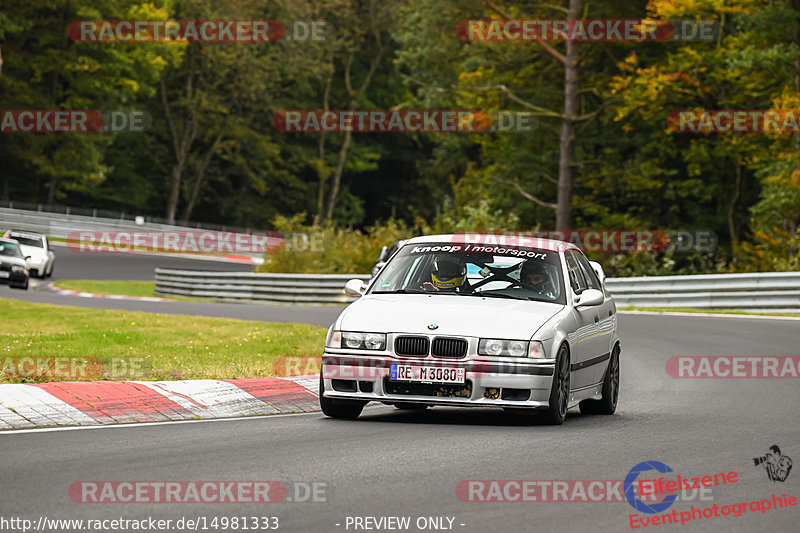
x: 567, y: 140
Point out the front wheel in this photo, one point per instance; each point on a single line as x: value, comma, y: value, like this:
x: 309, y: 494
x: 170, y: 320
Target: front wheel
x: 348, y: 409
x: 608, y: 403
x: 24, y: 286
x: 559, y: 392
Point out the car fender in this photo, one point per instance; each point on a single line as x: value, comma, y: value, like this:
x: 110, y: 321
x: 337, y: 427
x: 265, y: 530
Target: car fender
x: 556, y: 331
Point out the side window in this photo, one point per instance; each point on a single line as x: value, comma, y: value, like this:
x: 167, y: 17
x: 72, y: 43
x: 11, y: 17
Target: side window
x: 576, y: 277
x: 592, y: 280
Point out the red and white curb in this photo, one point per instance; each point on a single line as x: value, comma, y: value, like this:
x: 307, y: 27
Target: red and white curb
x: 68, y: 292
x: 25, y: 405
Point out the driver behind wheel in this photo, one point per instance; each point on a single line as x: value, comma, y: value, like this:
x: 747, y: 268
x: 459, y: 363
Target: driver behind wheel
x: 534, y: 276
x: 447, y: 274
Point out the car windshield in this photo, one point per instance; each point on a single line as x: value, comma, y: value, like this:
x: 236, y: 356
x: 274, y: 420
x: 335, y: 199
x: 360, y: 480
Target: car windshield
x: 474, y: 270
x: 10, y: 249
x: 28, y: 241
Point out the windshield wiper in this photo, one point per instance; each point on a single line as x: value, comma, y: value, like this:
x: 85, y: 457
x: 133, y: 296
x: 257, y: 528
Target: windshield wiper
x: 496, y: 295
x: 403, y: 291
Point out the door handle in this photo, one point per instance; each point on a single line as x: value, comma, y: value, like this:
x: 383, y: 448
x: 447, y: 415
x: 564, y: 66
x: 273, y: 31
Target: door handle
x: 596, y: 319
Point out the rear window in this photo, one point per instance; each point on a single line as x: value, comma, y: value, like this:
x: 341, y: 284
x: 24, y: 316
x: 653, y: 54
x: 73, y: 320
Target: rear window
x: 27, y: 240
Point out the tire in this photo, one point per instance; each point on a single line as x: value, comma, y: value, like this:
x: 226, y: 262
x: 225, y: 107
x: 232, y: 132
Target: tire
x: 50, y: 272
x: 608, y: 403
x: 411, y: 406
x: 559, y: 392
x: 23, y: 287
x: 347, y: 409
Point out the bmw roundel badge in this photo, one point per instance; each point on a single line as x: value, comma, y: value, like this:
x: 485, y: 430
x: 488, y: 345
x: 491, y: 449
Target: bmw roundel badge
x: 433, y: 326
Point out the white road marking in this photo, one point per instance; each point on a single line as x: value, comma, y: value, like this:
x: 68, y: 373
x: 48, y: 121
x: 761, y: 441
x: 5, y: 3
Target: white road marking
x: 146, y: 424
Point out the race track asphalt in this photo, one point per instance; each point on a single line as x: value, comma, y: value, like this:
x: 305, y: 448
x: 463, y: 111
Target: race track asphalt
x: 131, y: 267
x: 141, y: 267
x: 393, y: 463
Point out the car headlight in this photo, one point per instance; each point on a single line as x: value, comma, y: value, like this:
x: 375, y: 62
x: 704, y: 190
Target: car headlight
x: 17, y: 268
x: 355, y: 340
x: 510, y: 348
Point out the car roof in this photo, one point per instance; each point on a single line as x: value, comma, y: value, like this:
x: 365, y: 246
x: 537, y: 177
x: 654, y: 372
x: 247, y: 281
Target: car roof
x: 6, y: 239
x: 494, y: 239
x: 29, y: 234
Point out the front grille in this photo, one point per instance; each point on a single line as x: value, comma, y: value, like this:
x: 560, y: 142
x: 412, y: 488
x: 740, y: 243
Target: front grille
x: 444, y: 347
x: 411, y: 346
x: 438, y: 390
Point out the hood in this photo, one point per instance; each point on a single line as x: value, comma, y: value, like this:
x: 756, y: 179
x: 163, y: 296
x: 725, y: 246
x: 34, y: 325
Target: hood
x: 466, y: 316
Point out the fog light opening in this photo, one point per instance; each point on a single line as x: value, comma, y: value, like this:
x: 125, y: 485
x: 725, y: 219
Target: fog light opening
x: 492, y: 394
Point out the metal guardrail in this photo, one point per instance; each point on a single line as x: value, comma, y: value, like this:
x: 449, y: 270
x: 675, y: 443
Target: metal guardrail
x: 272, y: 288
x: 61, y: 225
x: 758, y: 292
x: 54, y: 212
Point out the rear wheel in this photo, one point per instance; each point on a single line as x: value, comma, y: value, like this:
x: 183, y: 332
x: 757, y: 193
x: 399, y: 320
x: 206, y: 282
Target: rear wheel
x: 349, y: 409
x: 24, y: 286
x: 608, y: 403
x: 559, y: 392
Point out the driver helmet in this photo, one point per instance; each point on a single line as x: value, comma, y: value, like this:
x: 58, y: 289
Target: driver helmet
x: 533, y: 272
x: 448, y: 273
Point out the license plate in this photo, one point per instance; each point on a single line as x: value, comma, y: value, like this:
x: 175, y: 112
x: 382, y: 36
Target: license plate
x: 4, y: 274
x: 419, y: 373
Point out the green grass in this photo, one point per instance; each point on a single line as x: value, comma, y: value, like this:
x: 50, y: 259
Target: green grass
x: 122, y: 345
x: 695, y: 310
x: 125, y: 288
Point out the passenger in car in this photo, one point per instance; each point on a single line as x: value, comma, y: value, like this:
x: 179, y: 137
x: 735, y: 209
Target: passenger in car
x: 533, y: 275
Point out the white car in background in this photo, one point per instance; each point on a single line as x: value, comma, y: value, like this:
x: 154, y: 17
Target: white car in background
x: 524, y: 324
x: 35, y: 245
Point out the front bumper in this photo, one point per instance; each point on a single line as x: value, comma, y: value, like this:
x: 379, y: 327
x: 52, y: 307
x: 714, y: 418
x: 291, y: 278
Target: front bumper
x: 489, y: 382
x: 12, y: 278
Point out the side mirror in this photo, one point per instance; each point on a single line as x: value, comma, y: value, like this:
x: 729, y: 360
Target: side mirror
x: 355, y: 287
x: 598, y: 269
x: 27, y: 258
x: 590, y: 297
x: 382, y: 256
